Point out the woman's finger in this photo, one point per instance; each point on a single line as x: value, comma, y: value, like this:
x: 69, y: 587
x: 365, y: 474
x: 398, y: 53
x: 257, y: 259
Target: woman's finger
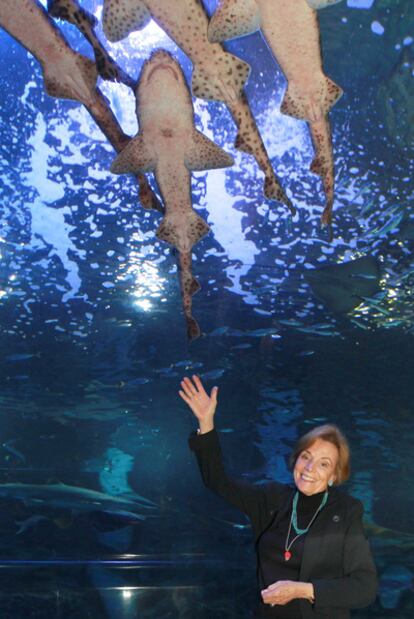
x: 188, y: 387
x: 184, y: 397
x: 198, y: 384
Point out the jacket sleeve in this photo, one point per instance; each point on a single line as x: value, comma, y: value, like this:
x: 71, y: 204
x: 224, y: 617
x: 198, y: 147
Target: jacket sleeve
x: 358, y: 587
x: 251, y: 499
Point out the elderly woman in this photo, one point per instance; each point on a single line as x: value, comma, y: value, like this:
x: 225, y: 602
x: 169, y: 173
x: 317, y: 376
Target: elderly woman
x: 313, y: 559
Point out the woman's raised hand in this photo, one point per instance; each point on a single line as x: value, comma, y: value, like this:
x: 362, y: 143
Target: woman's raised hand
x: 202, y: 404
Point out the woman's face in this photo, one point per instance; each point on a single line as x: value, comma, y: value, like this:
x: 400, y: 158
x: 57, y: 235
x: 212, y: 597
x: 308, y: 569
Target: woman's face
x: 315, y: 467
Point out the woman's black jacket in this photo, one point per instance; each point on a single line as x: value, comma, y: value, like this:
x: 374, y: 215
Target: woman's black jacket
x: 336, y: 558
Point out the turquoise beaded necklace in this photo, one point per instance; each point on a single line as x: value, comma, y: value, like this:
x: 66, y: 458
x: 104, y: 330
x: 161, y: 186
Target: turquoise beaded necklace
x: 294, y: 523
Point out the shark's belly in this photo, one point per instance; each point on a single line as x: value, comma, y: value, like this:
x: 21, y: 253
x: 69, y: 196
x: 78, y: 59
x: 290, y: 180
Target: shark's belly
x: 292, y: 33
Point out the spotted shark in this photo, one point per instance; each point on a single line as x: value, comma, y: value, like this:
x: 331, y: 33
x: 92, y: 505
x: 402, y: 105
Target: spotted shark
x: 217, y: 74
x: 67, y: 74
x: 72, y: 12
x: 169, y: 145
x: 291, y: 30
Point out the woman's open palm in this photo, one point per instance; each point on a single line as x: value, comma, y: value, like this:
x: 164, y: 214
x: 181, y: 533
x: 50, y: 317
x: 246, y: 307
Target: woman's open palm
x: 202, y: 404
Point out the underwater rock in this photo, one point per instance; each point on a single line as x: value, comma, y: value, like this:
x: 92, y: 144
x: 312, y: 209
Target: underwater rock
x: 291, y: 31
x: 217, y: 75
x: 169, y: 144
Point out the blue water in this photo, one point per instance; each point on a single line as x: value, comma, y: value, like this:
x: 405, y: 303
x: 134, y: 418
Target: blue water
x: 93, y: 341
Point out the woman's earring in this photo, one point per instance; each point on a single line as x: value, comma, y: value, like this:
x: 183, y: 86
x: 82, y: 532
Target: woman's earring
x: 330, y: 482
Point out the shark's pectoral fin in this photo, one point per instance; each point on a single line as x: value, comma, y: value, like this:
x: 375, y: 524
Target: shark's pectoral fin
x: 204, y: 154
x: 223, y: 83
x: 310, y: 106
x: 135, y: 157
x: 183, y: 235
x: 232, y: 19
x: 121, y: 17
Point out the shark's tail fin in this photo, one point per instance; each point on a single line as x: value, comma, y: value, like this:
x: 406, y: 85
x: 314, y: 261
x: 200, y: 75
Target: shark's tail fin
x: 193, y: 330
x: 233, y: 19
x: 189, y: 286
x: 323, y: 164
x: 223, y: 83
x: 182, y: 232
x: 313, y: 105
x: 121, y: 17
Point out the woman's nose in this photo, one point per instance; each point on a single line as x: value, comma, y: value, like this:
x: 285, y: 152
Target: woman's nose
x: 309, y: 465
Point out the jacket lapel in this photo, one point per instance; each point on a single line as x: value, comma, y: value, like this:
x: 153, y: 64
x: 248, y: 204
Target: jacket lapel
x: 312, y: 539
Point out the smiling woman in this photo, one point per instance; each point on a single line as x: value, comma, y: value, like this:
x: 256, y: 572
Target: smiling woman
x: 321, y: 458
x: 313, y: 559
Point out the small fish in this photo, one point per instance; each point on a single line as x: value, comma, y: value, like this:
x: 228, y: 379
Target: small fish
x: 22, y: 356
x: 323, y: 332
x: 360, y: 324
x: 393, y: 223
x: 291, y: 323
x: 375, y: 303
x: 219, y: 331
x: 213, y: 375
x: 364, y: 276
x: 241, y: 346
x: 8, y: 446
x: 139, y: 381
x: 306, y: 353
x: 262, y: 332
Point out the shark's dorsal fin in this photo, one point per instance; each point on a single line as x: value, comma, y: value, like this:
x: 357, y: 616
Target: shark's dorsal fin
x: 204, y: 154
x: 134, y: 158
x: 232, y: 75
x: 232, y: 19
x: 121, y: 17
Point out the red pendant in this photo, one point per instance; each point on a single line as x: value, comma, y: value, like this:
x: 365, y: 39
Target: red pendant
x: 287, y: 555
